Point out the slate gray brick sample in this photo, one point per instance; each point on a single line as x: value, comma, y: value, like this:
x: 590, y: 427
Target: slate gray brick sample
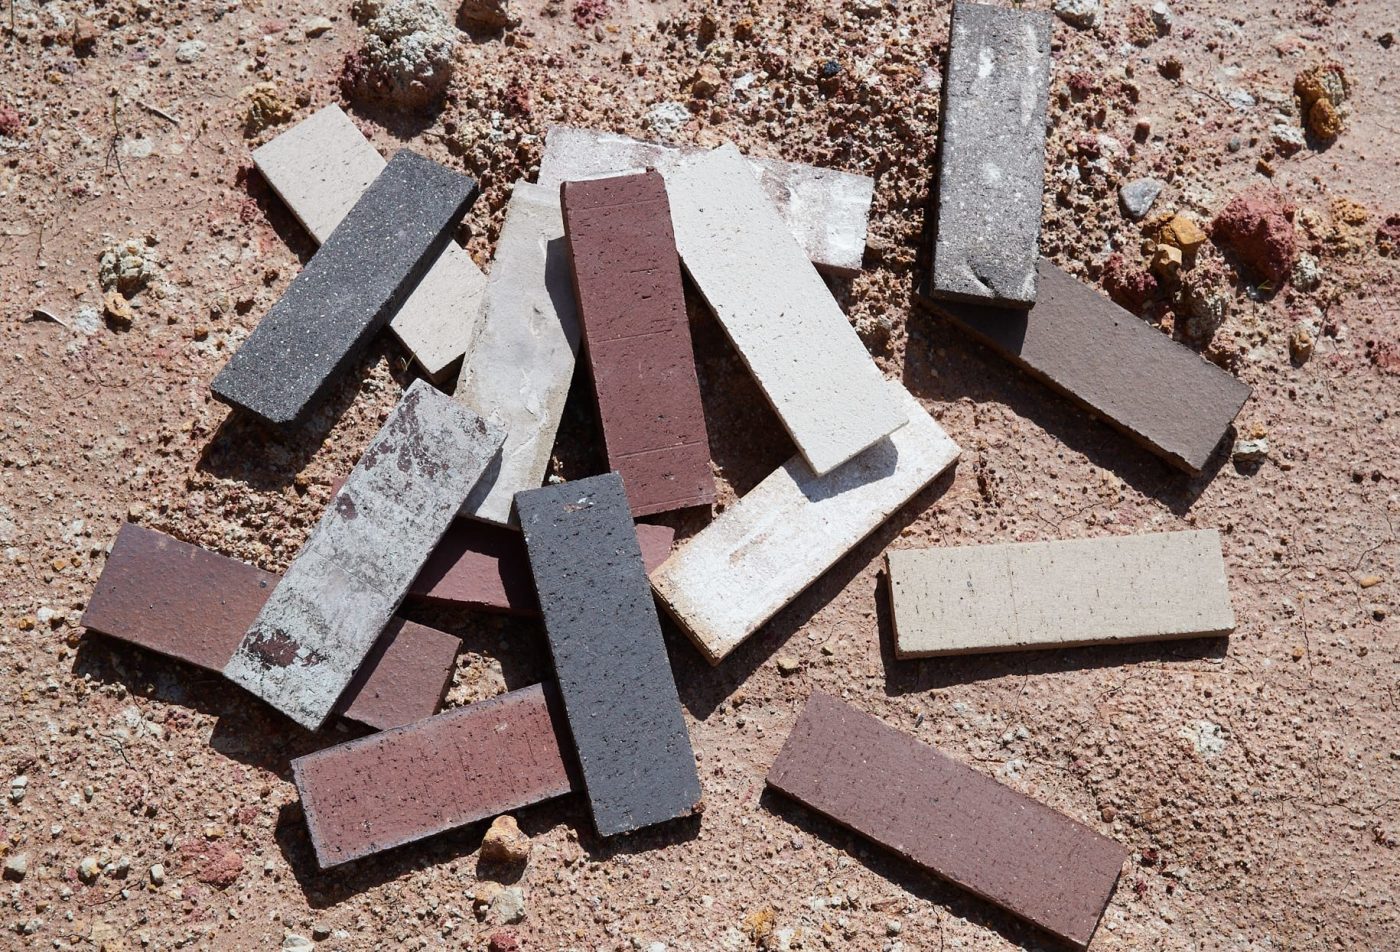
x: 325, y: 615
x: 348, y: 291
x: 609, y: 657
x: 991, y: 168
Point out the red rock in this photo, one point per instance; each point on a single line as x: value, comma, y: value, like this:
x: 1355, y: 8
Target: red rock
x: 10, y: 121
x: 1128, y: 285
x: 1257, y: 225
x: 504, y: 941
x: 1388, y: 236
x: 213, y: 864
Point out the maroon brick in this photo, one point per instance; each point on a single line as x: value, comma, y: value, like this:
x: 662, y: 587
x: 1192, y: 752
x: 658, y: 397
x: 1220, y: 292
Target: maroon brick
x: 948, y: 818
x: 192, y: 604
x: 627, y: 280
x: 481, y: 565
x: 443, y: 772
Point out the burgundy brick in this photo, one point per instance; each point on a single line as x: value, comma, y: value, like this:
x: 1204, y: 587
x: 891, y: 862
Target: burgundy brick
x: 948, y: 818
x: 627, y: 280
x: 481, y: 565
x: 192, y: 604
x: 403, y: 785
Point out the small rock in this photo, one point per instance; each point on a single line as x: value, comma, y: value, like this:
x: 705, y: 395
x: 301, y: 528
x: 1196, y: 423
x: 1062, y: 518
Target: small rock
x: 406, y: 58
x: 508, y: 906
x: 668, y: 118
x: 787, y: 664
x: 1082, y: 14
x: 88, y: 869
x: 1162, y: 16
x: 17, y: 867
x: 492, y: 14
x: 1251, y: 451
x: 126, y: 266
x: 504, y: 843
x: 157, y: 874
x: 503, y: 941
x: 291, y: 942
x: 706, y: 82
x: 1301, y: 344
x: 190, y: 51
x: 1166, y: 262
x: 117, y: 309
x: 1287, y: 139
x: 1181, y: 231
x: 316, y: 26
x: 1322, y: 92
x: 266, y: 106
x: 1256, y: 224
x: 18, y: 788
x: 320, y: 931
x: 1307, y: 272
x: 1371, y: 581
x: 1137, y: 197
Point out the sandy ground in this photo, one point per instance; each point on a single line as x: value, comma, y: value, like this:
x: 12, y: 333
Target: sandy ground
x: 1254, y: 778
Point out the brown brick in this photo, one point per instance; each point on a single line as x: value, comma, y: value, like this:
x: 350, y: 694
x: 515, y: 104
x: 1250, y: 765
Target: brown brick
x: 192, y: 604
x: 627, y: 281
x: 443, y: 772
x: 948, y: 818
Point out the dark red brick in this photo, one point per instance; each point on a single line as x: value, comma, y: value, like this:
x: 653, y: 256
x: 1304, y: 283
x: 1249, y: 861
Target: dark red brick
x: 627, y: 280
x: 192, y: 604
x: 948, y: 818
x: 443, y: 772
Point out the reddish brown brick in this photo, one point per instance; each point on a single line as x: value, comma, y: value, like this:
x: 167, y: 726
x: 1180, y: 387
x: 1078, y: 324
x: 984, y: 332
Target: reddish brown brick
x: 481, y: 565
x: 627, y: 280
x: 441, y: 773
x: 948, y: 818
x: 192, y: 604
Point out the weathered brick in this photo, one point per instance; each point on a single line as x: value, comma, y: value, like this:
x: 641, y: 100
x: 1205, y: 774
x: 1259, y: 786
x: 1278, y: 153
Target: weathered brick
x: 348, y: 291
x: 188, y: 603
x: 517, y: 372
x: 1076, y: 341
x: 313, y: 634
x: 320, y: 167
x: 949, y: 819
x: 444, y: 772
x: 760, y: 553
x: 1150, y: 587
x: 826, y: 211
x: 609, y: 656
x: 991, y: 169
x: 627, y: 282
x: 777, y: 311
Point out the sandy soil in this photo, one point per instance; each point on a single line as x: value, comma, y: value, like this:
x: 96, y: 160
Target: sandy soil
x: 1253, y: 778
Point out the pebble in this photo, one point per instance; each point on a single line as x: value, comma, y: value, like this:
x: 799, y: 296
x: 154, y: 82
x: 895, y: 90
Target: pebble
x: 1082, y: 14
x: 1371, y: 581
x: 190, y: 50
x: 508, y: 906
x: 1251, y: 451
x: 18, y: 788
x: 504, y: 843
x: 706, y: 82
x: 291, y: 942
x: 1162, y: 16
x: 1287, y: 139
x: 787, y: 664
x: 315, y: 26
x: 320, y: 931
x: 157, y: 874
x: 88, y: 869
x: 1138, y: 195
x: 503, y: 941
x: 17, y: 866
x: 1307, y: 272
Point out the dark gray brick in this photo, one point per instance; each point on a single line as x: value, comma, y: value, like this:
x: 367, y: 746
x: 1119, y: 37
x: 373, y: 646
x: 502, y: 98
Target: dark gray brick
x: 614, y: 675
x: 348, y: 291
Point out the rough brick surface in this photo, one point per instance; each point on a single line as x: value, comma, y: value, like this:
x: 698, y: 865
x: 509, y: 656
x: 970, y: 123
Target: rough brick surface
x: 826, y: 211
x: 627, y: 281
x: 609, y: 657
x: 777, y: 311
x: 517, y: 371
x: 480, y: 565
x: 760, y: 553
x: 1078, y: 342
x: 315, y: 630
x: 462, y: 766
x: 991, y: 168
x: 348, y: 290
x: 192, y: 604
x: 320, y: 167
x: 1149, y: 587
x: 949, y: 819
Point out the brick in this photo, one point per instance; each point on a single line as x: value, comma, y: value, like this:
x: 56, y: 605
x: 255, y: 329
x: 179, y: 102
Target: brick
x: 320, y: 168
x: 627, y: 282
x: 1079, y: 343
x: 480, y: 565
x: 347, y: 292
x: 777, y: 311
x: 1150, y: 587
x: 312, y: 636
x: 991, y: 168
x: 614, y: 675
x: 826, y: 211
x: 517, y: 372
x: 760, y: 553
x: 459, y: 767
x: 194, y: 605
x: 949, y: 819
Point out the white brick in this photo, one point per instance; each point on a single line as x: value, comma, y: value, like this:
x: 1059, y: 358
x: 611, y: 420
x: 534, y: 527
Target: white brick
x: 320, y: 167
x: 1150, y: 587
x: 518, y: 369
x: 759, y: 554
x: 827, y: 211
x: 777, y: 311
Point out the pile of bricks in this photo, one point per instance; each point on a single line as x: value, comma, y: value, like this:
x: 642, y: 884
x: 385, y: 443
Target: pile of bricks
x: 448, y: 505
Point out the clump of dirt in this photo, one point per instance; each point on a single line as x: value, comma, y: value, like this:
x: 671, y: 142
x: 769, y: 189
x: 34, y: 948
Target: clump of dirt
x: 405, y: 58
x: 126, y: 266
x: 1388, y: 237
x: 589, y: 12
x: 1128, y: 284
x: 211, y: 862
x: 1204, y: 297
x: 1350, y: 234
x: 1322, y: 93
x: 1257, y: 225
x: 266, y: 107
x: 11, y: 122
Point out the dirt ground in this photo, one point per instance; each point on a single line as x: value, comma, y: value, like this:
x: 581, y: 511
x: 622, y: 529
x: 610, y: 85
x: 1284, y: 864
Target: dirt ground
x: 1255, y: 778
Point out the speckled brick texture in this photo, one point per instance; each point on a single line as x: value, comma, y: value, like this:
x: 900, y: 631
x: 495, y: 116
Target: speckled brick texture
x: 991, y: 169
x: 447, y: 771
x: 188, y: 603
x: 347, y: 292
x: 949, y: 818
x: 1076, y: 341
x: 627, y: 281
x: 609, y: 657
x: 311, y: 637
